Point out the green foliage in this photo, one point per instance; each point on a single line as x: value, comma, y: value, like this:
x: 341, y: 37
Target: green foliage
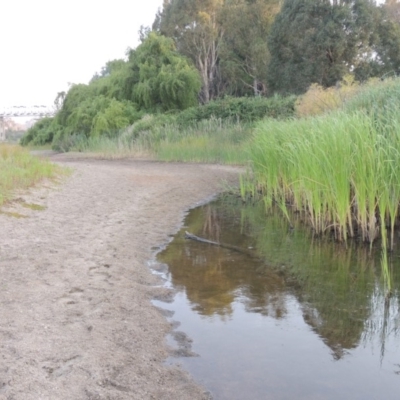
x: 83, y: 113
x: 64, y: 143
x: 244, y: 54
x: 40, y: 133
x: 376, y: 98
x: 76, y: 95
x: 246, y: 109
x: 197, y: 32
x: 321, y: 41
x: 154, y: 78
x: 113, y: 118
x: 214, y: 140
x: 148, y: 125
x: 384, y: 56
x: 114, y: 81
x: 164, y: 80
x: 80, y: 119
x: 226, y: 41
x: 339, y: 170
x: 160, y: 136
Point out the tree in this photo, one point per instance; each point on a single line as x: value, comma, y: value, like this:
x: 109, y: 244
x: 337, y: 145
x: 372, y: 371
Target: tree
x: 77, y: 94
x: 384, y: 56
x: 113, y: 118
x: 197, y: 33
x: 155, y: 78
x: 85, y: 111
x: 160, y: 77
x: 244, y: 54
x: 319, y: 41
x: 59, y: 100
x: 392, y: 8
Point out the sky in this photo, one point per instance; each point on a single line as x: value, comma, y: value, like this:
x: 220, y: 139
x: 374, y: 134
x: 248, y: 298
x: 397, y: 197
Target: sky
x: 47, y: 44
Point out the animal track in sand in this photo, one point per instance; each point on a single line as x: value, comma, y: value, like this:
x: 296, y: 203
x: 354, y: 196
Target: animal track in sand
x: 58, y: 368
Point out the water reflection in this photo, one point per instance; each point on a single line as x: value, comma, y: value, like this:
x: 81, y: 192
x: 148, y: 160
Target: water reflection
x: 339, y: 292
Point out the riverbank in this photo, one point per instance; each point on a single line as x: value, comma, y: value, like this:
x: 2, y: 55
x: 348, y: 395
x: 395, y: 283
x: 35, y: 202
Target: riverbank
x: 76, y: 289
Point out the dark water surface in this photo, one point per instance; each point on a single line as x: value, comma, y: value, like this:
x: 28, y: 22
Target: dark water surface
x: 289, y: 317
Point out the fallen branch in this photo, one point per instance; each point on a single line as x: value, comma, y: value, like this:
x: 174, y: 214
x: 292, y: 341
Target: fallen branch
x: 223, y: 245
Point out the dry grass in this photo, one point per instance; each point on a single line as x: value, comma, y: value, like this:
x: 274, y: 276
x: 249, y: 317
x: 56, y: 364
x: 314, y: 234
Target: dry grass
x: 318, y: 100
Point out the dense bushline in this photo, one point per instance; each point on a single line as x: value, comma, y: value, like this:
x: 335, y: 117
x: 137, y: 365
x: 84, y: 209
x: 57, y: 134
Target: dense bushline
x: 243, y: 47
x: 154, y: 79
x: 246, y: 109
x: 229, y: 59
x: 100, y: 116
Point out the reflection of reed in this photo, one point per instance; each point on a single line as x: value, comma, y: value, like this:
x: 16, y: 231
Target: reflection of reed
x: 211, y: 225
x: 385, y: 325
x: 331, y: 282
x: 339, y: 288
x: 384, y: 321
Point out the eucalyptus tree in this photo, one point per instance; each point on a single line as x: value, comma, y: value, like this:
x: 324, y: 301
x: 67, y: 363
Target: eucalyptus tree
x: 245, y: 55
x: 226, y: 40
x: 197, y: 32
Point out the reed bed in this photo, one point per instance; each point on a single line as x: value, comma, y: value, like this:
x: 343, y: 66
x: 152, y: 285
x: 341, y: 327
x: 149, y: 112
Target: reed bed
x: 339, y: 171
x: 213, y: 140
x: 20, y: 170
x: 110, y: 148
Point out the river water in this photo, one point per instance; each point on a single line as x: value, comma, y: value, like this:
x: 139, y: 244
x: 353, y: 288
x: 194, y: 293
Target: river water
x: 282, y: 315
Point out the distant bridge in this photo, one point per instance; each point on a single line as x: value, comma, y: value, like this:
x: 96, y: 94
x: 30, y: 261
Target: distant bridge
x: 26, y: 111
x: 22, y: 111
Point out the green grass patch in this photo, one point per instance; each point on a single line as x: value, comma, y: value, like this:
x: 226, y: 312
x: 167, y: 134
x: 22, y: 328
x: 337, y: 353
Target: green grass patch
x: 202, y: 149
x: 20, y: 170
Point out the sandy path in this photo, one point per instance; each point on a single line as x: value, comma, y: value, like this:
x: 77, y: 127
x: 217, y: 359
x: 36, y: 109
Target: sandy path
x: 76, y: 321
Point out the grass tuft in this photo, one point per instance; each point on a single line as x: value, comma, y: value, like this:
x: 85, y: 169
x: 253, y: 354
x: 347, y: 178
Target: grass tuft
x: 20, y: 170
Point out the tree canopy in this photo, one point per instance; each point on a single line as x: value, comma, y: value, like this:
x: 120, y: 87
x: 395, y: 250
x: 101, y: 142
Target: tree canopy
x: 203, y: 50
x: 225, y: 39
x: 154, y: 78
x: 245, y: 56
x: 161, y: 77
x: 195, y: 28
x: 319, y: 41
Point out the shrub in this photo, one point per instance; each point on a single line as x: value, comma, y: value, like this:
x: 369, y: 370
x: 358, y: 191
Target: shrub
x: 148, y: 124
x: 245, y: 109
x: 40, y: 133
x: 318, y: 100
x: 64, y: 142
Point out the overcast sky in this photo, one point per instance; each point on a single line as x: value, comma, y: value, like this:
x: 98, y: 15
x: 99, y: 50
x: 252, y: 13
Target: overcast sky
x: 44, y: 44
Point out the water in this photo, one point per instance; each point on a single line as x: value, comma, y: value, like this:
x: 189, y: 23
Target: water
x: 289, y: 317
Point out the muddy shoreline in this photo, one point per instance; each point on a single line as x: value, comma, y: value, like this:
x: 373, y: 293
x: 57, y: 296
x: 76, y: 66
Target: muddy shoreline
x: 75, y: 301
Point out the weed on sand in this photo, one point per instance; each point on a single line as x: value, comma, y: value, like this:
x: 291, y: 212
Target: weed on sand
x: 20, y: 170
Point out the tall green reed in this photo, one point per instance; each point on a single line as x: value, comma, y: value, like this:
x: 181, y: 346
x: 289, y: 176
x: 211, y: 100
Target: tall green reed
x: 340, y: 171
